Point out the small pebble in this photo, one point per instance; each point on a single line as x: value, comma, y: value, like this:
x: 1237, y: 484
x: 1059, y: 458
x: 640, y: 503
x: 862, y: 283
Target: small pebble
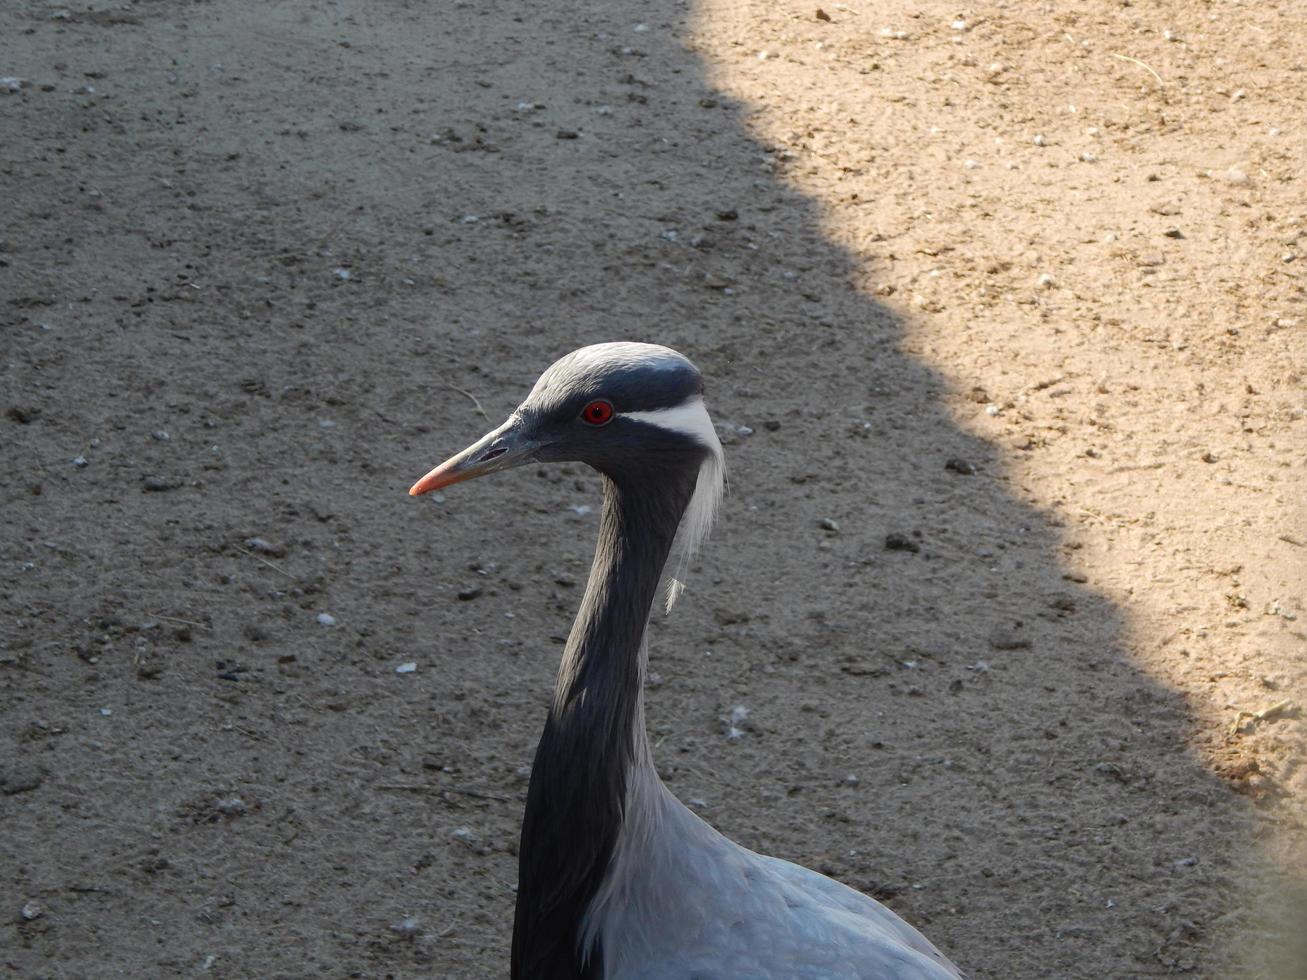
x: 265, y: 547
x: 326, y: 619
x: 230, y: 806
x: 829, y: 524
x: 1045, y: 281
x: 406, y: 928
x: 20, y: 777
x: 469, y: 593
x: 1235, y: 176
x: 961, y: 466
x: 341, y: 274
x: 895, y: 541
x: 406, y: 668
x: 106, y: 712
x: 158, y: 484
x: 1039, y: 140
x: 159, y: 435
x: 79, y: 461
x: 1006, y: 639
x: 31, y: 911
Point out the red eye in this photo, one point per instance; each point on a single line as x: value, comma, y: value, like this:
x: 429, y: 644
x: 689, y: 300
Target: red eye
x: 598, y: 412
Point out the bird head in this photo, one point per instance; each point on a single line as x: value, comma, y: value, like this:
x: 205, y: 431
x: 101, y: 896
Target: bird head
x: 634, y: 412
x: 620, y: 408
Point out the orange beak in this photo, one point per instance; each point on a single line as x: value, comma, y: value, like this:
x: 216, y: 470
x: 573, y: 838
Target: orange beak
x: 501, y: 449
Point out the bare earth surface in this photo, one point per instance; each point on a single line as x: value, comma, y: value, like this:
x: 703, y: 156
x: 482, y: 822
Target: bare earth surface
x: 1063, y: 245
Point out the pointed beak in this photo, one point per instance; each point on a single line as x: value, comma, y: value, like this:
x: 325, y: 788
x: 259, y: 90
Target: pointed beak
x: 507, y: 446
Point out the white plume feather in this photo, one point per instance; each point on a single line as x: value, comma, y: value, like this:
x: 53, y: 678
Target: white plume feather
x: 692, y: 418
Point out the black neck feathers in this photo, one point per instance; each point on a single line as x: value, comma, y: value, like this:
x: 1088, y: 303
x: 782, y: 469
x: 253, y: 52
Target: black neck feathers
x: 577, y: 796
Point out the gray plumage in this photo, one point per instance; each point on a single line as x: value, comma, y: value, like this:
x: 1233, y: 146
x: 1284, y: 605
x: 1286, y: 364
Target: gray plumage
x: 617, y: 879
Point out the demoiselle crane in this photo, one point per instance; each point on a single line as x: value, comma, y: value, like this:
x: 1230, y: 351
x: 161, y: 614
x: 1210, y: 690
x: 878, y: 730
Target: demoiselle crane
x: 616, y: 878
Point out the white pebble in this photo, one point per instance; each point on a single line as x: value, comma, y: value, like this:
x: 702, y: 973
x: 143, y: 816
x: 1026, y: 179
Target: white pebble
x: 326, y: 619
x: 79, y: 461
x: 31, y: 911
x: 1088, y: 157
x: 1235, y: 176
x: 1039, y: 139
x: 106, y: 711
x: 407, y: 927
x: 959, y: 25
x: 341, y: 273
x: 462, y: 833
x: 992, y: 409
x: 406, y: 668
x: 970, y: 164
x: 1045, y: 281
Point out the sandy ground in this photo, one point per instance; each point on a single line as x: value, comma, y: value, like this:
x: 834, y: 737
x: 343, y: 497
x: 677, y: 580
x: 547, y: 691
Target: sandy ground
x: 261, y: 265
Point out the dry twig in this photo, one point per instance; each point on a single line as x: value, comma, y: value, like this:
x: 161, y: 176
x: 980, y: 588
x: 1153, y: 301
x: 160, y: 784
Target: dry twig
x: 1266, y: 714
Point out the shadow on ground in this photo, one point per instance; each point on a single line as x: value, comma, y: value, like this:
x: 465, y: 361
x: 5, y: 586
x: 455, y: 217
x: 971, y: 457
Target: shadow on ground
x: 309, y: 244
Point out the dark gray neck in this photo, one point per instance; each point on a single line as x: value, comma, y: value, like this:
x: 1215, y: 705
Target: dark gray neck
x: 595, y: 729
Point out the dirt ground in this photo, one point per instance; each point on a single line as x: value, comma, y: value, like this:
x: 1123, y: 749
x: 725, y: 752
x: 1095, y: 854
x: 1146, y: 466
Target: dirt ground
x: 1017, y: 287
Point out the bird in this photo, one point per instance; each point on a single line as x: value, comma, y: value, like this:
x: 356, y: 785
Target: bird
x: 617, y: 879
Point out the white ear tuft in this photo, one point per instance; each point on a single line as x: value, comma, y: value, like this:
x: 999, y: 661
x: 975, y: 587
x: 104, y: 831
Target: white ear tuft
x: 691, y: 418
x: 699, y: 515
